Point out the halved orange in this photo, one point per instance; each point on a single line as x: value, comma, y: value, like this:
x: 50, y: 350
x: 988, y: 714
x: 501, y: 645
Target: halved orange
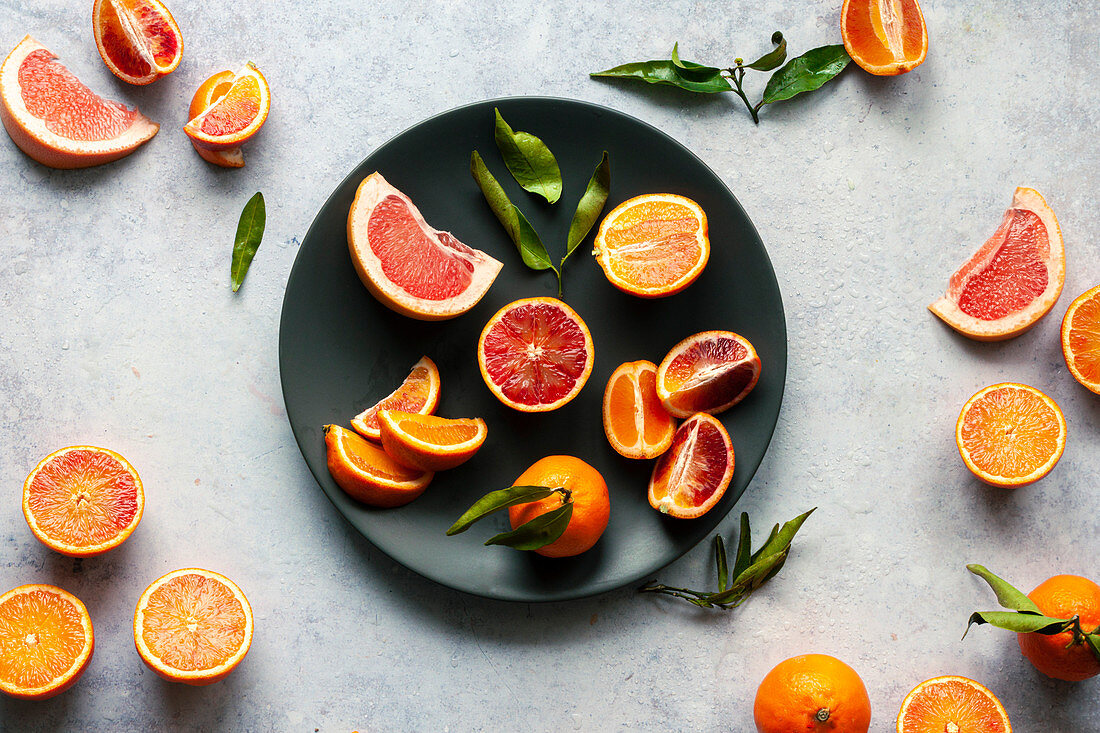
x: 211, y: 90
x: 1013, y: 280
x: 952, y: 704
x: 635, y: 422
x: 193, y: 626
x: 535, y: 354
x: 693, y: 474
x: 1081, y: 339
x: 138, y: 39
x: 653, y: 245
x: 367, y: 473
x: 885, y: 37
x: 1010, y: 434
x: 234, y: 116
x: 83, y: 500
x: 46, y: 641
x: 707, y: 372
x: 428, y: 442
x: 419, y: 393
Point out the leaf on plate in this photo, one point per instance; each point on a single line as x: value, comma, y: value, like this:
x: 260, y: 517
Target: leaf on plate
x: 528, y: 160
x: 538, y: 532
x: 590, y: 206
x: 497, y: 500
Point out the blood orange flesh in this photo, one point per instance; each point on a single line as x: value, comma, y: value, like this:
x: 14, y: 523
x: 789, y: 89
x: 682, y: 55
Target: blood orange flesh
x: 693, y: 474
x: 419, y: 393
x: 707, y: 372
x: 138, y: 39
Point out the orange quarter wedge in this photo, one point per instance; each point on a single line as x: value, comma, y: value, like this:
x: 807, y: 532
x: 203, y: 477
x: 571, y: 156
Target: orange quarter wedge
x: 367, y: 473
x: 428, y: 442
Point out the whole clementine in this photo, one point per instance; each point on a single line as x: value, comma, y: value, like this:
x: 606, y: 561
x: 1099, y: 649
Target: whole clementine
x: 1061, y: 656
x: 588, y: 492
x: 812, y: 692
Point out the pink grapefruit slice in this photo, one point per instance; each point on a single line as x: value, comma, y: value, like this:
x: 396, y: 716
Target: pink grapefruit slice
x: 1013, y: 280
x: 411, y: 268
x: 57, y: 120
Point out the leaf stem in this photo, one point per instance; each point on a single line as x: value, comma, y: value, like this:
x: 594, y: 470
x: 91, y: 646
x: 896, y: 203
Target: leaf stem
x: 737, y: 74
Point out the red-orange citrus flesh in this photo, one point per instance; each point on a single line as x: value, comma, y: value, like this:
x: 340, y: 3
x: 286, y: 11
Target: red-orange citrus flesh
x: 694, y: 473
x: 138, y: 39
x: 46, y: 641
x: 708, y: 372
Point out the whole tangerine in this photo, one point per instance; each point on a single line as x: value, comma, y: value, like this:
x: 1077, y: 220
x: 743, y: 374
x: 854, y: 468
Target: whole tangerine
x: 1061, y: 656
x: 812, y: 692
x: 588, y: 492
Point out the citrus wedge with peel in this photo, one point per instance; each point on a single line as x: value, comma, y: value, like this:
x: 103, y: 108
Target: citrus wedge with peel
x: 46, y: 641
x: 884, y: 37
x: 367, y: 473
x: 952, y: 704
x: 137, y: 39
x: 693, y: 474
x: 1081, y: 339
x: 634, y: 421
x: 707, y: 372
x: 235, y: 111
x: 418, y: 393
x: 211, y: 90
x: 428, y: 442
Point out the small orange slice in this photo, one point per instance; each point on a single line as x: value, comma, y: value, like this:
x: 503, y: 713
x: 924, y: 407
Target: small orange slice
x: 235, y: 116
x: 428, y: 442
x: 1081, y: 339
x: 83, y: 500
x: 138, y: 39
x: 193, y: 626
x: 952, y: 704
x: 419, y: 393
x: 635, y: 422
x: 693, y: 474
x: 368, y: 474
x: 708, y: 372
x: 653, y: 245
x: 46, y: 641
x: 1010, y: 434
x: 211, y: 90
x: 885, y: 37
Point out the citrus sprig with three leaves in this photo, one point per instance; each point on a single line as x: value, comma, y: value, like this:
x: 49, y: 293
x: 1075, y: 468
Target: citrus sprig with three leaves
x: 538, y: 532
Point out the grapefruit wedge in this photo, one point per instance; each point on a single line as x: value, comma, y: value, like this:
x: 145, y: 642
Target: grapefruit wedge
x: 411, y: 268
x: 58, y: 121
x: 1013, y: 280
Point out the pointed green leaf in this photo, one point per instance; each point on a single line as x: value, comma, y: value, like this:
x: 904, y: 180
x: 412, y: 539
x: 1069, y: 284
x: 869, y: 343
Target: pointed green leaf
x: 744, y: 547
x: 781, y: 539
x: 771, y: 538
x: 773, y: 58
x: 1023, y: 623
x: 673, y: 72
x: 1093, y: 642
x: 720, y: 559
x: 761, y: 570
x: 805, y: 73
x: 539, y: 532
x: 250, y: 231
x: 1007, y: 595
x: 690, y: 68
x: 528, y: 160
x: 496, y: 500
x: 590, y: 206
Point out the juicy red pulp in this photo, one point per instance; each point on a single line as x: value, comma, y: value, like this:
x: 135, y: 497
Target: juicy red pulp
x: 1015, y: 276
x: 68, y: 108
x: 535, y: 353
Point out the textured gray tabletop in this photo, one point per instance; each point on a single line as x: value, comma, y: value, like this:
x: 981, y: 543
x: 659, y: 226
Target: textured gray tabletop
x: 120, y: 329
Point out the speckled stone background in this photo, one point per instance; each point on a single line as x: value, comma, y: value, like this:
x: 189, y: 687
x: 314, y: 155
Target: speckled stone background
x: 120, y: 329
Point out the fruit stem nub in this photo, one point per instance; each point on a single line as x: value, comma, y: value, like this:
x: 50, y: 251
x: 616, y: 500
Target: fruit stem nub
x: 822, y: 715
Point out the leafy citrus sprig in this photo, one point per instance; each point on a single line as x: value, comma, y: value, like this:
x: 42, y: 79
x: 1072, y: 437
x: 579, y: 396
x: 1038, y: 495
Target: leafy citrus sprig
x: 531, y: 535
x: 750, y: 569
x: 1024, y: 616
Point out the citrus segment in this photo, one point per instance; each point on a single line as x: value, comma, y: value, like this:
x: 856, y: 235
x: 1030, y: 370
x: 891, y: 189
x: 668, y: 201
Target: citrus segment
x: 407, y: 265
x: 367, y: 473
x: 535, y: 354
x: 694, y: 473
x: 1013, y: 280
x: 885, y: 37
x: 1081, y: 339
x: 419, y: 393
x: 83, y: 500
x: 233, y: 116
x: 46, y: 641
x: 815, y: 693
x: 1062, y: 656
x: 708, y: 372
x: 952, y: 703
x: 588, y: 492
x: 138, y: 39
x: 428, y: 442
x: 193, y: 626
x: 653, y: 245
x: 58, y: 121
x: 635, y: 422
x: 214, y: 88
x: 1010, y: 434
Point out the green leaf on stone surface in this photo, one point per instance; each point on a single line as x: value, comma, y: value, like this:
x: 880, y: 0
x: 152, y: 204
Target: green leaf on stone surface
x: 538, y: 532
x: 589, y: 207
x: 528, y: 160
x: 250, y: 231
x: 672, y: 72
x: 805, y: 73
x: 773, y: 58
x: 497, y: 500
x: 744, y: 547
x: 1007, y: 595
x: 722, y: 562
x: 1020, y: 622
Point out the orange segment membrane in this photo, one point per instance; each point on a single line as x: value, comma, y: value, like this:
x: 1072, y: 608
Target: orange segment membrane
x: 1010, y: 432
x: 1084, y: 339
x: 235, y: 111
x: 1015, y: 276
x: 41, y: 636
x: 68, y: 108
x: 693, y: 467
x: 623, y: 411
x: 193, y: 623
x: 656, y: 420
x: 83, y: 497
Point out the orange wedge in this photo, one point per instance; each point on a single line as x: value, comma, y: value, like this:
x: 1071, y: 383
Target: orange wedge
x: 634, y: 421
x: 1010, y: 434
x: 211, y: 90
x: 885, y: 37
x: 193, y: 626
x: 1081, y: 339
x: 233, y: 116
x: 693, y: 474
x: 952, y: 704
x: 368, y: 474
x: 138, y: 39
x: 419, y: 393
x: 707, y: 372
x: 46, y: 641
x: 428, y: 442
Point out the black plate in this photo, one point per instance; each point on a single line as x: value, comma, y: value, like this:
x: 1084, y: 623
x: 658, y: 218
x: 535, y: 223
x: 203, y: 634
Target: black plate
x: 341, y: 351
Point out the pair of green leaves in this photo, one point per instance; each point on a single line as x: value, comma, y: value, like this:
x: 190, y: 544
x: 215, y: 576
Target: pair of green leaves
x: 536, y: 170
x: 1024, y: 616
x: 539, y: 532
x: 750, y: 570
x: 802, y: 74
x: 250, y: 231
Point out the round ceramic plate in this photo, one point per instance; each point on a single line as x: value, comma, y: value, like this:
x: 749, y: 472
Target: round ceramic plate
x: 340, y: 351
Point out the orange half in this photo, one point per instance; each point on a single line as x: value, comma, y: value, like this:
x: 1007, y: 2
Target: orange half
x: 952, y: 704
x: 138, y: 39
x: 211, y: 90
x: 419, y: 393
x: 1081, y: 339
x: 634, y: 421
x: 46, y: 641
x: 367, y: 473
x: 885, y: 37
x: 235, y: 116
x: 428, y: 442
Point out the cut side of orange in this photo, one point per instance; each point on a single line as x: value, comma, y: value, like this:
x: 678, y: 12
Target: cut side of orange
x: 708, y: 372
x: 46, y: 641
x: 1081, y: 339
x: 1010, y: 434
x: 428, y: 442
x: 635, y: 422
x: 654, y: 245
x: 952, y: 704
x: 233, y: 117
x: 211, y: 90
x: 419, y: 393
x: 1013, y: 280
x: 138, y: 39
x: 83, y: 500
x: 885, y: 37
x: 368, y: 474
x: 694, y: 473
x: 193, y: 626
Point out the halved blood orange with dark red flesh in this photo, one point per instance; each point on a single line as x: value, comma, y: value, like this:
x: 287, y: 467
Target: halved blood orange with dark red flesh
x: 884, y: 37
x: 419, y: 393
x: 407, y: 265
x: 46, y: 641
x: 1013, y: 280
x: 635, y: 422
x: 694, y: 473
x: 138, y: 39
x: 707, y: 372
x: 1081, y: 339
x: 83, y: 500
x: 535, y: 354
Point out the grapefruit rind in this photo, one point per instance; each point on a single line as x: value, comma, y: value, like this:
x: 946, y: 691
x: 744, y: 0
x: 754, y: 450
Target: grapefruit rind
x: 406, y: 448
x: 68, y: 678
x: 1068, y: 329
x: 368, y: 428
x: 954, y: 698
x: 137, y: 42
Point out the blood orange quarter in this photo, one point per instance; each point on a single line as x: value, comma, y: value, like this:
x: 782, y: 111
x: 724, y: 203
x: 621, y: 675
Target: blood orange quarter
x: 419, y: 393
x: 707, y: 372
x: 138, y: 39
x: 694, y: 473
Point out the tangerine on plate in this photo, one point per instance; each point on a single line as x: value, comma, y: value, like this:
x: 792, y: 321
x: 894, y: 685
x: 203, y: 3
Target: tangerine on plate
x: 1061, y: 656
x: 695, y: 471
x: 708, y: 372
x: 815, y: 693
x: 367, y: 473
x: 419, y: 393
x: 634, y: 421
x: 138, y: 39
x: 1081, y: 339
x: 885, y: 37
x: 46, y: 641
x: 952, y: 704
x: 591, y: 504
x: 428, y: 442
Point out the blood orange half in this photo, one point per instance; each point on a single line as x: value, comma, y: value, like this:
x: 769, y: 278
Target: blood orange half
x: 407, y: 265
x: 693, y: 474
x: 707, y: 372
x: 138, y: 39
x: 58, y: 121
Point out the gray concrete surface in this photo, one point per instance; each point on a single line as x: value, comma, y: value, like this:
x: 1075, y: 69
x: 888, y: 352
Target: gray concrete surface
x: 120, y: 328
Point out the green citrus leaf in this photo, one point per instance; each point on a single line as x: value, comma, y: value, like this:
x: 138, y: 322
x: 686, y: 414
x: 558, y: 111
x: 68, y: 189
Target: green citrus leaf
x: 250, y: 231
x: 590, y: 206
x: 744, y: 547
x: 497, y: 500
x: 519, y: 230
x: 1093, y: 642
x: 673, y: 72
x: 722, y: 562
x: 539, y: 532
x: 781, y: 538
x: 1007, y: 595
x: 805, y: 73
x: 773, y: 58
x: 1023, y: 623
x: 528, y: 160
